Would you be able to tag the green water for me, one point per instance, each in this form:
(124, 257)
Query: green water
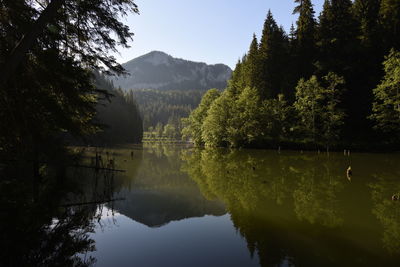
(179, 206)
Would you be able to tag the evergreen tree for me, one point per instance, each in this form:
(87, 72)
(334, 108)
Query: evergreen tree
(273, 53)
(367, 14)
(236, 83)
(293, 71)
(165, 106)
(337, 34)
(251, 65)
(350, 40)
(390, 17)
(339, 52)
(367, 68)
(305, 38)
(118, 117)
(292, 35)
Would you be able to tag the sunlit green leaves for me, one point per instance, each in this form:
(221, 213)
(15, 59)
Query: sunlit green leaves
(386, 105)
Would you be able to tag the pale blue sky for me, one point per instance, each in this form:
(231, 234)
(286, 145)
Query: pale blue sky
(211, 31)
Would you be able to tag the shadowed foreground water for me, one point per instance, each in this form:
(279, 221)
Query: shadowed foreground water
(177, 206)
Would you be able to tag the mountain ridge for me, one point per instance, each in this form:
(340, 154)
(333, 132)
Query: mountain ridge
(159, 70)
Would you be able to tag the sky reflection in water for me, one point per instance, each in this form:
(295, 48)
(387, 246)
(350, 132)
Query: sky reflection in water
(187, 207)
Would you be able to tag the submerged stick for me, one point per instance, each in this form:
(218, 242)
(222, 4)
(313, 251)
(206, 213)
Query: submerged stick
(97, 168)
(91, 202)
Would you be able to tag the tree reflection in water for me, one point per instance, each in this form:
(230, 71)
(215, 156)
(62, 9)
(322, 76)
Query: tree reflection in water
(387, 210)
(300, 209)
(45, 222)
(291, 208)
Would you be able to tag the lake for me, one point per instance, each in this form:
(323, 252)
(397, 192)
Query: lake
(180, 206)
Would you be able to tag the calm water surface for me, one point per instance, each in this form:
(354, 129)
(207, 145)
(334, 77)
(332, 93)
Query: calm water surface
(188, 207)
(179, 206)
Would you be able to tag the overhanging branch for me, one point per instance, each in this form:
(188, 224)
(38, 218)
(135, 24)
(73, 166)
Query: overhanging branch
(25, 43)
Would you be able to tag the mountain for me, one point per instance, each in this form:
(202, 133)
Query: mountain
(158, 70)
(158, 207)
(155, 190)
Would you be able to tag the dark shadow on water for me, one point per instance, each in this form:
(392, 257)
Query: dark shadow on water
(48, 212)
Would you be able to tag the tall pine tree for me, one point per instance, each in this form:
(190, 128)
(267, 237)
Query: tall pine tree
(236, 83)
(337, 37)
(339, 52)
(368, 71)
(273, 53)
(252, 65)
(305, 38)
(367, 14)
(390, 17)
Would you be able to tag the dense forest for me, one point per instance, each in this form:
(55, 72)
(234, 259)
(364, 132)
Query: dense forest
(49, 51)
(49, 54)
(332, 82)
(165, 106)
(118, 116)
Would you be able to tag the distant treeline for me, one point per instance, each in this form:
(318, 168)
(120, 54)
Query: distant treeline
(321, 85)
(118, 116)
(165, 107)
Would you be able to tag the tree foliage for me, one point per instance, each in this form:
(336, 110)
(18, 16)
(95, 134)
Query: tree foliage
(386, 105)
(165, 106)
(118, 118)
(390, 20)
(193, 124)
(317, 107)
(305, 34)
(273, 53)
(51, 90)
(290, 89)
(214, 126)
(309, 106)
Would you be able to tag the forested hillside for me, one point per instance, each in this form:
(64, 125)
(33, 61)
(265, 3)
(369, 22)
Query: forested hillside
(167, 89)
(118, 116)
(332, 81)
(163, 107)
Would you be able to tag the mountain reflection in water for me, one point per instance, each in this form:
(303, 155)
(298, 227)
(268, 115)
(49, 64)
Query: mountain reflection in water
(178, 206)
